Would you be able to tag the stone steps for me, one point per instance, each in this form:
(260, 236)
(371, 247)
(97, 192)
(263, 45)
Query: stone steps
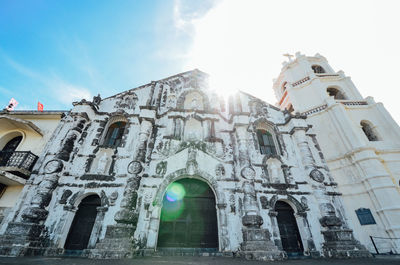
(199, 252)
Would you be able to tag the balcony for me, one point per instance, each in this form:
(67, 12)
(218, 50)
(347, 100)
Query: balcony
(19, 163)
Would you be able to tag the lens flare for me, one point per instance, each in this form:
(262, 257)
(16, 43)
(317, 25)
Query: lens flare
(173, 204)
(175, 192)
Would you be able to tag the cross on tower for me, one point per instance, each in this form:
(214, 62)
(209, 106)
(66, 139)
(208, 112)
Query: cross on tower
(289, 56)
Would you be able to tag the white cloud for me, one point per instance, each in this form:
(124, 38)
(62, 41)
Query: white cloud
(60, 89)
(68, 93)
(240, 43)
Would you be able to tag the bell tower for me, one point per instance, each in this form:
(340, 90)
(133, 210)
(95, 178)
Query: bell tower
(359, 140)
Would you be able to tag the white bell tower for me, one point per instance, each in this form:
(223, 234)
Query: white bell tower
(360, 142)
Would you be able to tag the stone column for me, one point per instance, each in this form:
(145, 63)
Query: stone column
(275, 229)
(223, 225)
(241, 134)
(257, 242)
(101, 211)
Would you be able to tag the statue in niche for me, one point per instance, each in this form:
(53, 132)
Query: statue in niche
(275, 171)
(102, 164)
(194, 104)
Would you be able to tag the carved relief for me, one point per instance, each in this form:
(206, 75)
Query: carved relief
(317, 175)
(161, 168)
(248, 173)
(220, 170)
(53, 166)
(135, 167)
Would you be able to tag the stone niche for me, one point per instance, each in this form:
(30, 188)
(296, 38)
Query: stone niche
(193, 130)
(193, 100)
(274, 169)
(102, 161)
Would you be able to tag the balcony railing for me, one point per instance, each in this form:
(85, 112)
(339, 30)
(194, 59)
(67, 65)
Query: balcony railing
(19, 163)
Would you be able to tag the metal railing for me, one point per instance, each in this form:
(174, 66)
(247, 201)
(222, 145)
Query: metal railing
(18, 159)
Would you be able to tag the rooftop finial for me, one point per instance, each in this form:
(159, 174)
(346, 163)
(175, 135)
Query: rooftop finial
(289, 56)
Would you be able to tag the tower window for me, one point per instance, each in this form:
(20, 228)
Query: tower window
(318, 69)
(114, 134)
(369, 131)
(266, 142)
(335, 93)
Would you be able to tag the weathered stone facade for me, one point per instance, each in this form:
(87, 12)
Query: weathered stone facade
(127, 149)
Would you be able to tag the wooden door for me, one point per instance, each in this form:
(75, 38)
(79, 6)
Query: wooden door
(290, 236)
(195, 224)
(82, 225)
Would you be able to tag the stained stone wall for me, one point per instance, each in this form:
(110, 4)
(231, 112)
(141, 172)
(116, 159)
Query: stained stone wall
(178, 128)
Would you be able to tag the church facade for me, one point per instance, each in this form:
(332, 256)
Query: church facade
(172, 167)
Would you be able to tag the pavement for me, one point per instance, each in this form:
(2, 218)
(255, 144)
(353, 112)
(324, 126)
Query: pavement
(193, 261)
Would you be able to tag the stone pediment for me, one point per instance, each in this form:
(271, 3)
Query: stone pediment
(189, 160)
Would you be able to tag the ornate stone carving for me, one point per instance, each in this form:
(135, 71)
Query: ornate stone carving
(102, 164)
(220, 170)
(53, 166)
(264, 202)
(135, 167)
(248, 173)
(317, 175)
(65, 196)
(161, 168)
(96, 100)
(113, 197)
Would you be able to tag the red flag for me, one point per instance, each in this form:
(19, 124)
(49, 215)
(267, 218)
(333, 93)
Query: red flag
(40, 106)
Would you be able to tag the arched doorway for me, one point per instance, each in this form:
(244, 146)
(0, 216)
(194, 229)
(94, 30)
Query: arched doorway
(82, 225)
(290, 236)
(8, 149)
(188, 217)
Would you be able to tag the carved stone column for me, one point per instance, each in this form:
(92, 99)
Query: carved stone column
(101, 211)
(223, 223)
(257, 242)
(275, 229)
(241, 134)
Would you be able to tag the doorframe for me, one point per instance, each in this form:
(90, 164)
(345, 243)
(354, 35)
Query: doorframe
(300, 215)
(157, 204)
(71, 213)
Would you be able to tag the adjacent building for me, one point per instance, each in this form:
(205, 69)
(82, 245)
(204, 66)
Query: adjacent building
(23, 136)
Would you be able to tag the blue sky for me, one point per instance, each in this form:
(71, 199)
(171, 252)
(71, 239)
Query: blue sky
(61, 51)
(57, 51)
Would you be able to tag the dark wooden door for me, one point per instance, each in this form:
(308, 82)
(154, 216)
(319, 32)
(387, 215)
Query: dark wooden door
(194, 222)
(82, 225)
(290, 236)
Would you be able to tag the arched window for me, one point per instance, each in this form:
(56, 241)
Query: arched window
(335, 93)
(114, 134)
(266, 142)
(318, 69)
(8, 149)
(369, 131)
